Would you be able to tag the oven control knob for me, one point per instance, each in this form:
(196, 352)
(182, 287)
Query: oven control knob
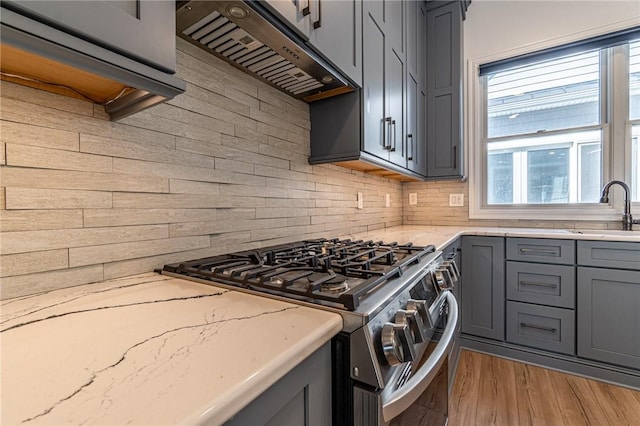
(447, 279)
(453, 269)
(414, 320)
(421, 307)
(397, 343)
(438, 279)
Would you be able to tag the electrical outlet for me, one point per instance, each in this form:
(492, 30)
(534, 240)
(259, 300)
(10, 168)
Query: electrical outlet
(413, 198)
(456, 200)
(387, 200)
(360, 200)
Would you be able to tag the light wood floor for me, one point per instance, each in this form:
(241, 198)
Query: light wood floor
(495, 391)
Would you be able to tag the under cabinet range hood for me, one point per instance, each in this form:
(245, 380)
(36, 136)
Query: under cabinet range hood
(248, 36)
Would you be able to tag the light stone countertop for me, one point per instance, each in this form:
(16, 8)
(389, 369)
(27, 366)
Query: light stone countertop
(151, 349)
(148, 349)
(441, 236)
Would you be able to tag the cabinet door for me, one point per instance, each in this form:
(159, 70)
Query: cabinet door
(140, 29)
(609, 316)
(395, 100)
(337, 33)
(376, 127)
(483, 291)
(295, 12)
(302, 397)
(412, 120)
(444, 90)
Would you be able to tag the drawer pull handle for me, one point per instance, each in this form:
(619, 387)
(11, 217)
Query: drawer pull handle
(549, 285)
(539, 327)
(539, 251)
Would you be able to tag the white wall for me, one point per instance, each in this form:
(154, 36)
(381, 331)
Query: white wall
(496, 29)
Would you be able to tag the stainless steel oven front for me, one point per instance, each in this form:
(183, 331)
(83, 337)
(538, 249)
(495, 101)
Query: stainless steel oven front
(407, 383)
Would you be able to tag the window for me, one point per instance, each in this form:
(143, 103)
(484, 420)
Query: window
(634, 117)
(551, 126)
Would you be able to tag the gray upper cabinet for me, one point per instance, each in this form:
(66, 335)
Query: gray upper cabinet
(444, 90)
(125, 51)
(483, 298)
(141, 30)
(332, 28)
(415, 135)
(383, 75)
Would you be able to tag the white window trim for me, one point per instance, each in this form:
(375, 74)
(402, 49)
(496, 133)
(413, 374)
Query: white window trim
(614, 165)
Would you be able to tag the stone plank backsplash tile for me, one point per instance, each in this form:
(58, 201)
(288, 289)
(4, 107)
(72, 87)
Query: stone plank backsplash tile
(220, 168)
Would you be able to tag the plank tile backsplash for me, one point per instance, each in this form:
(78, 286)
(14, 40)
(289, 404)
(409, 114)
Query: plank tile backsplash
(222, 167)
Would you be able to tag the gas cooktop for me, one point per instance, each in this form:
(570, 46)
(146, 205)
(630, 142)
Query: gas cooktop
(331, 272)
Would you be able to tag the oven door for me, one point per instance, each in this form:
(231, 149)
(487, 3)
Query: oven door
(423, 398)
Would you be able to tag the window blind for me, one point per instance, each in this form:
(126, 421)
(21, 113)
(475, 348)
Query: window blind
(598, 42)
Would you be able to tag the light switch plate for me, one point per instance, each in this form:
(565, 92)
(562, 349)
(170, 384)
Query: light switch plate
(387, 200)
(413, 198)
(360, 200)
(456, 200)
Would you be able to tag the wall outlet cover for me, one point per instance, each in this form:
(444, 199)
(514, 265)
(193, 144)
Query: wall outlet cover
(387, 200)
(456, 200)
(413, 198)
(360, 200)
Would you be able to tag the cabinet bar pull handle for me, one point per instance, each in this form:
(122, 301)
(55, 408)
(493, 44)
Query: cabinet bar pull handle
(410, 137)
(386, 134)
(539, 251)
(307, 10)
(539, 327)
(393, 148)
(317, 24)
(550, 285)
(455, 156)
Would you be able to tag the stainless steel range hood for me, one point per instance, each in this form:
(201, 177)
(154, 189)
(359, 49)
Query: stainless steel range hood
(247, 36)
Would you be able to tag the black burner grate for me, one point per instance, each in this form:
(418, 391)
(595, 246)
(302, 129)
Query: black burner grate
(310, 270)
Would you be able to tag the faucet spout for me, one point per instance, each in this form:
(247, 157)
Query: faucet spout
(627, 220)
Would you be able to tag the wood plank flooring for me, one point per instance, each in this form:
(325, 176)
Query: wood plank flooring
(494, 391)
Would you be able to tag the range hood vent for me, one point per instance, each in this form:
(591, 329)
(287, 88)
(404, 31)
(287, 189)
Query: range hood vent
(248, 38)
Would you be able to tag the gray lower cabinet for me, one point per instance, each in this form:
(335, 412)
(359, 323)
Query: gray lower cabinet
(609, 315)
(301, 398)
(444, 90)
(552, 285)
(483, 298)
(543, 250)
(541, 327)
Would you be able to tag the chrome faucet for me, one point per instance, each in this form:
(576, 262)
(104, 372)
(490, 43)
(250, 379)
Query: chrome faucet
(627, 220)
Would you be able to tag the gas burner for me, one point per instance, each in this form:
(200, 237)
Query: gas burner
(336, 285)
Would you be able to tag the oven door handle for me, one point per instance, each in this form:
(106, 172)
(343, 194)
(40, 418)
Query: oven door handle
(406, 395)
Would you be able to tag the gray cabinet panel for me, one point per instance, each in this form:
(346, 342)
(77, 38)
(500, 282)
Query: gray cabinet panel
(609, 316)
(444, 91)
(302, 397)
(552, 285)
(146, 35)
(376, 128)
(541, 327)
(609, 254)
(394, 95)
(483, 290)
(541, 250)
(339, 35)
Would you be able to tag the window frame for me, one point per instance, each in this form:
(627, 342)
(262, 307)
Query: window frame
(616, 131)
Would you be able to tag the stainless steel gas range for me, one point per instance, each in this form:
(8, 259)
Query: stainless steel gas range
(387, 362)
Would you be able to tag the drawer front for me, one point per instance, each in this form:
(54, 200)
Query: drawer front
(552, 285)
(541, 250)
(609, 254)
(541, 327)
